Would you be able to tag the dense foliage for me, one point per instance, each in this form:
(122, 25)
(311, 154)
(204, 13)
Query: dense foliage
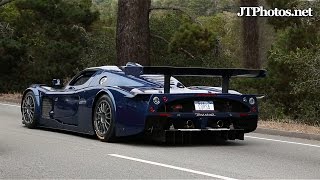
(293, 64)
(45, 39)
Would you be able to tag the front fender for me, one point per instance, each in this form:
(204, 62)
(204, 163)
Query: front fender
(35, 90)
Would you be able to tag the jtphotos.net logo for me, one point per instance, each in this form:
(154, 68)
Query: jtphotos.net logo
(260, 11)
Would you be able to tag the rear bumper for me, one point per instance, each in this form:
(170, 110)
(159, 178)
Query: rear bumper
(182, 136)
(209, 122)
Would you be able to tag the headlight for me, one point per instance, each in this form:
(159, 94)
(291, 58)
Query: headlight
(252, 101)
(156, 100)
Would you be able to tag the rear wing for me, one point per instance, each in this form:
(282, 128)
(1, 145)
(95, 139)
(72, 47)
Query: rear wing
(168, 71)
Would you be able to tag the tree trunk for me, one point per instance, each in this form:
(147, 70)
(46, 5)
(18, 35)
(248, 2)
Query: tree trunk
(133, 33)
(250, 33)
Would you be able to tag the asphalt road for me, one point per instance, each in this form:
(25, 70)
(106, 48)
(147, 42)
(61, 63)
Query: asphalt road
(38, 153)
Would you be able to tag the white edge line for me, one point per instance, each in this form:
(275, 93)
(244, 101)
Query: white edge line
(289, 142)
(172, 167)
(12, 105)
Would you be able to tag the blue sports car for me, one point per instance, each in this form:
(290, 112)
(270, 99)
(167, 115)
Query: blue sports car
(112, 102)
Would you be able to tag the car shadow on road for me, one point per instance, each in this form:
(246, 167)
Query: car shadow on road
(87, 136)
(141, 140)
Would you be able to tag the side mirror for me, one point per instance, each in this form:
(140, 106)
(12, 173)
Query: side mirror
(56, 83)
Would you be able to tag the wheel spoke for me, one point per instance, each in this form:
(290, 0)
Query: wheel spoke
(31, 103)
(98, 126)
(30, 117)
(99, 110)
(102, 107)
(28, 100)
(98, 116)
(107, 109)
(103, 129)
(107, 124)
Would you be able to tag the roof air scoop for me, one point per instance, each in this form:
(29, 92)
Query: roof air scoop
(133, 69)
(133, 64)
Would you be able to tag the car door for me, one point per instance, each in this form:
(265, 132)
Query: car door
(66, 105)
(66, 102)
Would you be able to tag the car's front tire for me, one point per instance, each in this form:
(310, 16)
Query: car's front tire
(104, 119)
(28, 110)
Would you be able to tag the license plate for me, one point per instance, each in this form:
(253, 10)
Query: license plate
(203, 105)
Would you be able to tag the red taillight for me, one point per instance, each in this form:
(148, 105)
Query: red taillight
(164, 115)
(151, 109)
(165, 99)
(177, 107)
(243, 114)
(206, 95)
(253, 109)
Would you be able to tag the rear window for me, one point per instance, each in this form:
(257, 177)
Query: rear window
(121, 81)
(159, 79)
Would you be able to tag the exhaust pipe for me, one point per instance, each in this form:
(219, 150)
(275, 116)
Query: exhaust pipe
(219, 123)
(189, 124)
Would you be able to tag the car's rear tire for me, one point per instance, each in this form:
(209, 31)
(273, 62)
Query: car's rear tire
(104, 119)
(28, 110)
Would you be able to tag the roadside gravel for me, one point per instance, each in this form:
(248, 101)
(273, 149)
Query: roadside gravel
(292, 127)
(11, 98)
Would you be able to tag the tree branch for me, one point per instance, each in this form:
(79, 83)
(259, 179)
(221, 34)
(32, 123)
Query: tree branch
(180, 49)
(176, 9)
(186, 52)
(160, 37)
(3, 2)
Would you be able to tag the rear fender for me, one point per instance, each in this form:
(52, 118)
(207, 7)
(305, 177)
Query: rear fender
(116, 97)
(105, 91)
(131, 112)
